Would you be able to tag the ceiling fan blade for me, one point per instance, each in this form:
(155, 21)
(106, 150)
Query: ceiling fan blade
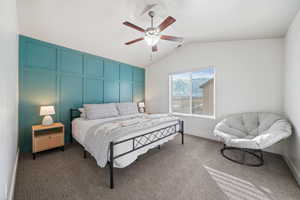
(167, 22)
(133, 41)
(171, 38)
(134, 26)
(154, 48)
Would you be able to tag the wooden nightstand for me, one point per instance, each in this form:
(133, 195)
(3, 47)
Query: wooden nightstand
(47, 137)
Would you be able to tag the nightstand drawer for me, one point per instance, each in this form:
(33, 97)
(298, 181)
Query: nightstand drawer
(56, 140)
(41, 143)
(44, 142)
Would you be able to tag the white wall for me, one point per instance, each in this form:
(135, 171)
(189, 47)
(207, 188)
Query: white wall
(95, 26)
(8, 93)
(249, 77)
(292, 92)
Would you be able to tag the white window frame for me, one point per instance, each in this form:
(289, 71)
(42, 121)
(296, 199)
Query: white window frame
(213, 116)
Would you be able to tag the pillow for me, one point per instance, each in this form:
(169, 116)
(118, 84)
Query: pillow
(127, 108)
(100, 111)
(82, 113)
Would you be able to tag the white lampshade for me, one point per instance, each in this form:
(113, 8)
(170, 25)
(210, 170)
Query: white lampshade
(141, 104)
(47, 110)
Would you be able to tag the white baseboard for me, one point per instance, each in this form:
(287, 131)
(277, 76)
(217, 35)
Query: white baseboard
(293, 169)
(13, 178)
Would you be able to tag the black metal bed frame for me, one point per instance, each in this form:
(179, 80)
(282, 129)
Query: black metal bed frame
(138, 141)
(257, 153)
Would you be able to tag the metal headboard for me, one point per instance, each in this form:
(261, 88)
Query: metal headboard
(74, 113)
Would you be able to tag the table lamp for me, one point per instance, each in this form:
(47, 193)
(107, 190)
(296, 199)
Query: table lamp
(47, 111)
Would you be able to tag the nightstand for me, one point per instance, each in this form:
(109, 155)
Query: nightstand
(47, 137)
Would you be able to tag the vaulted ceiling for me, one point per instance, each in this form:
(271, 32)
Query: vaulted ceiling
(95, 26)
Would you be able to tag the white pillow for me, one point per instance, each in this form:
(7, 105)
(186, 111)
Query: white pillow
(128, 108)
(100, 111)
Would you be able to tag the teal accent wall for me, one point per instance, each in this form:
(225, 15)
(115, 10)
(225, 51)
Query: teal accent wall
(54, 75)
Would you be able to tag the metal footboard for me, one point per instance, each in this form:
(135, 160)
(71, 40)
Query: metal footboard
(138, 142)
(141, 141)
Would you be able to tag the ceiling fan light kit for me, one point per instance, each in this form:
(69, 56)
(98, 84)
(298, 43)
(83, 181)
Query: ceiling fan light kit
(153, 34)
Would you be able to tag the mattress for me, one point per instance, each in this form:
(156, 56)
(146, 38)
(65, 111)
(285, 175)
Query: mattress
(80, 127)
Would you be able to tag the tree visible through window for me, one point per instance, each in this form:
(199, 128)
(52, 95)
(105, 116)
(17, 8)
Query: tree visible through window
(193, 92)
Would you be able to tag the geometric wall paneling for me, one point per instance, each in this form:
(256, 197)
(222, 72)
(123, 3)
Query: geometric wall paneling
(139, 74)
(54, 75)
(126, 83)
(126, 91)
(32, 97)
(126, 73)
(70, 61)
(111, 70)
(40, 55)
(93, 91)
(139, 84)
(111, 91)
(94, 66)
(138, 91)
(70, 95)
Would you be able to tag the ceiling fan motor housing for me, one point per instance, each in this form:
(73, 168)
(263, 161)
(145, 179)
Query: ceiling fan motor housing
(151, 13)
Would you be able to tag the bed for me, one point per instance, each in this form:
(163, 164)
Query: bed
(141, 133)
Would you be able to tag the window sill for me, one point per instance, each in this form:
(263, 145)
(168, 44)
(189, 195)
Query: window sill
(194, 115)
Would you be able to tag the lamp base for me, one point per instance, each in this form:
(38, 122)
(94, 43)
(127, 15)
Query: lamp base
(47, 120)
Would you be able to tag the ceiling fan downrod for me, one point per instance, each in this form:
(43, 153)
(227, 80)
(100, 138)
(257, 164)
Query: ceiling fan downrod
(151, 14)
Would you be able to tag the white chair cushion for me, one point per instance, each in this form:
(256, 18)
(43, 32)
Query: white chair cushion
(253, 130)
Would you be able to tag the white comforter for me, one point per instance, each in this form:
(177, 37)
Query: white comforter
(98, 136)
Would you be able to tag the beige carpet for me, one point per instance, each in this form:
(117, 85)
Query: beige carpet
(193, 171)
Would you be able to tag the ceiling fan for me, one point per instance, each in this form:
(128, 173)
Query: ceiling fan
(153, 34)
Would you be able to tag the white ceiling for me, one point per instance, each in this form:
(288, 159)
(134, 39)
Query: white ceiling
(95, 26)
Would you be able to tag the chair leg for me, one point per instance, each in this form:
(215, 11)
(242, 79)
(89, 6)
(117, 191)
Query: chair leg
(84, 154)
(258, 156)
(262, 157)
(243, 157)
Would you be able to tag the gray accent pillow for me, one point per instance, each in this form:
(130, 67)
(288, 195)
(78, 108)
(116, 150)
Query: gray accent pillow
(100, 111)
(128, 108)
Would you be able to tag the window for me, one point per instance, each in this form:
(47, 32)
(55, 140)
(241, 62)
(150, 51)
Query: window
(192, 93)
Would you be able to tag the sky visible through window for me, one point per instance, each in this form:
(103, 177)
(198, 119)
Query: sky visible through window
(181, 82)
(193, 92)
